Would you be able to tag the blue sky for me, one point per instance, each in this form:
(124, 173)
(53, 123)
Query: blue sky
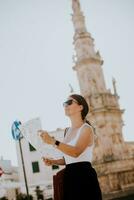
(36, 49)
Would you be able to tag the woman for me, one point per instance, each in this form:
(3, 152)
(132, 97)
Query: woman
(80, 178)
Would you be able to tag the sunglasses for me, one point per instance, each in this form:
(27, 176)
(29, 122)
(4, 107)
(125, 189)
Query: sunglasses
(69, 102)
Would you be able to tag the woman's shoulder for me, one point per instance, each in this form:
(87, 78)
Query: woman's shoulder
(86, 125)
(91, 130)
(88, 128)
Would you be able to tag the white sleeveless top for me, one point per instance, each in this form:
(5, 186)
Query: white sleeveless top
(86, 155)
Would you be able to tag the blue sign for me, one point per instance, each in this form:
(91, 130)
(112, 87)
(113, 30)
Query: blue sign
(16, 133)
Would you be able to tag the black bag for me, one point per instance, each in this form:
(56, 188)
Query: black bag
(58, 181)
(58, 185)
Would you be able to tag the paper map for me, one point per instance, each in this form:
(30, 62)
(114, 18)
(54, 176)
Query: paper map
(30, 130)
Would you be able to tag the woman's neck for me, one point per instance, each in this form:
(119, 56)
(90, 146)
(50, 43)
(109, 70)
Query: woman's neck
(76, 122)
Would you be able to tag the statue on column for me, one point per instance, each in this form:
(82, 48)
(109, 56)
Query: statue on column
(114, 86)
(76, 5)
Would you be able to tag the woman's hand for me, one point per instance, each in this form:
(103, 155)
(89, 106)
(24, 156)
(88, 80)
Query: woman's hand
(51, 161)
(46, 137)
(48, 161)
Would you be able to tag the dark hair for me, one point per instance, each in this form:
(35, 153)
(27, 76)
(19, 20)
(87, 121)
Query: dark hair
(81, 101)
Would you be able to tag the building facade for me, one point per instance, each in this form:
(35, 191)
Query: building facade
(9, 180)
(37, 173)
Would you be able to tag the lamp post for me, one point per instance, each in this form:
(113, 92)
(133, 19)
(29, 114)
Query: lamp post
(16, 133)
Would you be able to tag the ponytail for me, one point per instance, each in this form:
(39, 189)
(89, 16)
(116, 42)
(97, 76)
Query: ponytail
(86, 121)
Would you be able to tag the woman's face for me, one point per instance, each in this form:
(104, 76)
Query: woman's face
(72, 107)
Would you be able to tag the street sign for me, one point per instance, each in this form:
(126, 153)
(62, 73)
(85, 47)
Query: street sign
(16, 133)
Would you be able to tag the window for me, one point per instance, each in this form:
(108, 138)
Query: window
(55, 167)
(35, 167)
(31, 148)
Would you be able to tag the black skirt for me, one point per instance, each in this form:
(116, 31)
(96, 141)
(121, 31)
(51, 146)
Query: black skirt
(81, 182)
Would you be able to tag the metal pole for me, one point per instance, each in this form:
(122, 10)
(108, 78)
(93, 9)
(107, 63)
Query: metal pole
(24, 169)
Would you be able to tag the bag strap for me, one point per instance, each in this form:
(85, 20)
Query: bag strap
(65, 131)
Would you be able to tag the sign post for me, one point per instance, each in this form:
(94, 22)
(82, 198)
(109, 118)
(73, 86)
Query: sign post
(16, 133)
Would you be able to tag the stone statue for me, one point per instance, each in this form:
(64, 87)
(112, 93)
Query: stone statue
(76, 5)
(114, 86)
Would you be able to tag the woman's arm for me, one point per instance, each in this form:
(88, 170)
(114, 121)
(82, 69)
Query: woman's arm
(85, 139)
(49, 162)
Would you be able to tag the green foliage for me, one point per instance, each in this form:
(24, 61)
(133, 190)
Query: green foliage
(23, 197)
(3, 198)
